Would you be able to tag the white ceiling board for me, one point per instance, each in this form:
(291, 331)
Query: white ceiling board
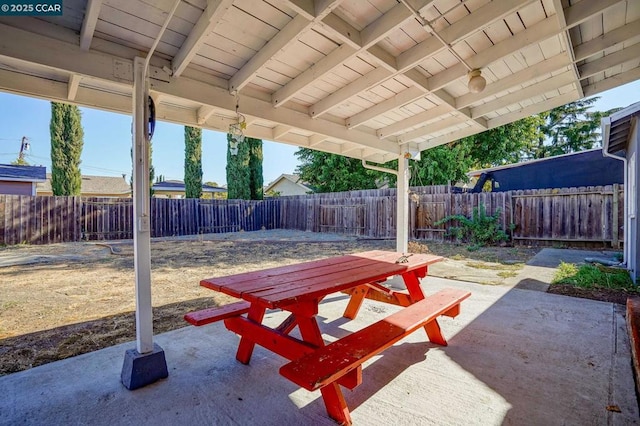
(518, 44)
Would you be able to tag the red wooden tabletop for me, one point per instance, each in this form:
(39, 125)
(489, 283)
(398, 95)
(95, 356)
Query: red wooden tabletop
(277, 287)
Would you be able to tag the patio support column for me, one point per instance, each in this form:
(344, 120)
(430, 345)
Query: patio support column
(145, 364)
(402, 213)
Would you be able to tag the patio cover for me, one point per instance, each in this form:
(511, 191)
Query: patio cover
(376, 80)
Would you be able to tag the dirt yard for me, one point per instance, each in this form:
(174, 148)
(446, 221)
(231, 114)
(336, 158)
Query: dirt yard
(62, 300)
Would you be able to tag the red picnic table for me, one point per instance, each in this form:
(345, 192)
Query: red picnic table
(299, 288)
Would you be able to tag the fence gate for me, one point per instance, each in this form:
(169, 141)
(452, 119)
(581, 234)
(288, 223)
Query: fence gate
(216, 216)
(426, 215)
(107, 218)
(342, 219)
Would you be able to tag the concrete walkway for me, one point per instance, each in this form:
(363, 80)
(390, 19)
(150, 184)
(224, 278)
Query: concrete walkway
(514, 357)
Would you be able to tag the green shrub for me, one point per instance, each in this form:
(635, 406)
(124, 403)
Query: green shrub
(479, 230)
(593, 276)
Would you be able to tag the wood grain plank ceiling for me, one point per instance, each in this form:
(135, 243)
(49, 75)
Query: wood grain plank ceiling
(365, 78)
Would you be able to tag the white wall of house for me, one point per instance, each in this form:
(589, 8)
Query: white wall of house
(286, 187)
(632, 195)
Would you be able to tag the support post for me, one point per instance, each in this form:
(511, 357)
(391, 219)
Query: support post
(402, 213)
(615, 227)
(145, 364)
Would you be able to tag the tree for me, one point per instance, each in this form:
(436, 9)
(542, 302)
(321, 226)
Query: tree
(244, 169)
(238, 173)
(66, 148)
(437, 166)
(567, 128)
(332, 173)
(152, 170)
(256, 180)
(505, 144)
(192, 162)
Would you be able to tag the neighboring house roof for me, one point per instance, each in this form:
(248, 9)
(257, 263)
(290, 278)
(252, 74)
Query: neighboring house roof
(178, 186)
(9, 172)
(94, 185)
(617, 128)
(295, 179)
(585, 168)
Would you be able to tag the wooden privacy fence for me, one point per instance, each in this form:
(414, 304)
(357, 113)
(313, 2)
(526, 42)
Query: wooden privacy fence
(590, 215)
(570, 215)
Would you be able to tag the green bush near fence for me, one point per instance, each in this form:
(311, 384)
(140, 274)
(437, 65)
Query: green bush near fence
(480, 230)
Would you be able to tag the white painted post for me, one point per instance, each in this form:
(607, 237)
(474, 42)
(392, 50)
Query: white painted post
(141, 224)
(402, 213)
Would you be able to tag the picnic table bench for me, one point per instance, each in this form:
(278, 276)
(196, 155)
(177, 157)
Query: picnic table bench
(300, 288)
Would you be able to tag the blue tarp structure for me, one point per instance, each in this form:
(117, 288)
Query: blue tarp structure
(587, 168)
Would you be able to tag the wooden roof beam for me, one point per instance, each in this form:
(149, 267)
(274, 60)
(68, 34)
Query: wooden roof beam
(611, 82)
(631, 53)
(209, 19)
(611, 39)
(195, 87)
(566, 37)
(534, 108)
(89, 23)
(285, 37)
(417, 54)
(520, 95)
(72, 86)
(429, 128)
(415, 120)
(352, 89)
(446, 138)
(355, 42)
(547, 66)
(397, 101)
(583, 11)
(459, 30)
(279, 131)
(203, 113)
(534, 34)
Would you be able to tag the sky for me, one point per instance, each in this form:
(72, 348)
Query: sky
(107, 140)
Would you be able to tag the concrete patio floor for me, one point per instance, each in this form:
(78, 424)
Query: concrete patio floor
(514, 357)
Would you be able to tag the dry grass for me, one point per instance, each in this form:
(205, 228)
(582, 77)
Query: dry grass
(83, 300)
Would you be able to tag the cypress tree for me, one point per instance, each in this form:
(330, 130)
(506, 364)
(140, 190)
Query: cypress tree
(192, 162)
(256, 180)
(66, 148)
(152, 170)
(238, 174)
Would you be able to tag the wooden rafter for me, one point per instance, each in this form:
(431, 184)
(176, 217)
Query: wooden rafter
(210, 18)
(89, 23)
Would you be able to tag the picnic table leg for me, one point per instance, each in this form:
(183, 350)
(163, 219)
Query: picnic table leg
(331, 394)
(415, 292)
(433, 332)
(245, 348)
(357, 296)
(413, 285)
(288, 324)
